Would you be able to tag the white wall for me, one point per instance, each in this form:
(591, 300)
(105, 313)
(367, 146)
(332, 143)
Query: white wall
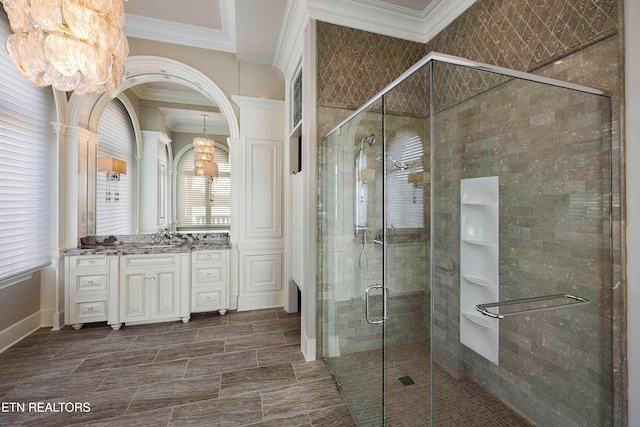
(632, 114)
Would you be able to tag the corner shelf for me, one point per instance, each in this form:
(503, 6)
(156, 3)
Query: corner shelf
(479, 281)
(480, 320)
(479, 242)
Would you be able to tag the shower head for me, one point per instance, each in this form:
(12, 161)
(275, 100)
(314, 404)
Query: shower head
(370, 139)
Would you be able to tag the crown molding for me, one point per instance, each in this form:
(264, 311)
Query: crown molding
(289, 49)
(400, 9)
(257, 103)
(184, 34)
(390, 20)
(442, 14)
(197, 129)
(170, 96)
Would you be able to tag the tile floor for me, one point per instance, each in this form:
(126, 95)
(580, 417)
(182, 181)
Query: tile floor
(460, 401)
(239, 369)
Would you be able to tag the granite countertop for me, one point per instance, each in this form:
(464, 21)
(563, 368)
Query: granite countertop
(150, 244)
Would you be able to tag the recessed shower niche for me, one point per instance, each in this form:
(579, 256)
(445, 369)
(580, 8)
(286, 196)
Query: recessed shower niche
(479, 264)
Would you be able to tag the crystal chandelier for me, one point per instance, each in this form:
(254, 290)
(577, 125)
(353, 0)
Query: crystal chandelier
(69, 44)
(203, 164)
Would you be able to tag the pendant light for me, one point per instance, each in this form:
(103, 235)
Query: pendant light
(69, 44)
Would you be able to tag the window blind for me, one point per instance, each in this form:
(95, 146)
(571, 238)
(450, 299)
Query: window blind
(117, 139)
(405, 201)
(26, 150)
(201, 204)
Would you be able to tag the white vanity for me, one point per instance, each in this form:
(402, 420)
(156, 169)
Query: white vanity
(135, 284)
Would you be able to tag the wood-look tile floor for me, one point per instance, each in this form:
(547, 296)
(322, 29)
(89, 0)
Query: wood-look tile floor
(239, 369)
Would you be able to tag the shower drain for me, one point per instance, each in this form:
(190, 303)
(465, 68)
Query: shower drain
(406, 380)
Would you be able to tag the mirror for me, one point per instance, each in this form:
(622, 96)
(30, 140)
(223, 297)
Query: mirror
(163, 118)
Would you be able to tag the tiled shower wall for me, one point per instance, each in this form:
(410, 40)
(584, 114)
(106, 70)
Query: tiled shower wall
(550, 149)
(576, 38)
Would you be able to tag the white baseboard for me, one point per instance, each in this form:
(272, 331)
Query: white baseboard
(257, 302)
(58, 320)
(308, 348)
(46, 317)
(18, 331)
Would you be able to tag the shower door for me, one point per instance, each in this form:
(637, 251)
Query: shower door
(352, 268)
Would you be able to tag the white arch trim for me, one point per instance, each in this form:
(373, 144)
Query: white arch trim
(85, 110)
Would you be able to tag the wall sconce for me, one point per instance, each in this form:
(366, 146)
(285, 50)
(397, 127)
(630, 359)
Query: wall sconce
(418, 179)
(210, 171)
(113, 168)
(367, 176)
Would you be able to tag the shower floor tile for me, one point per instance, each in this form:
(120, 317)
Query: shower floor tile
(460, 400)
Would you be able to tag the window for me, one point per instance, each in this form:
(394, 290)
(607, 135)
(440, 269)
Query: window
(117, 139)
(202, 204)
(26, 153)
(405, 192)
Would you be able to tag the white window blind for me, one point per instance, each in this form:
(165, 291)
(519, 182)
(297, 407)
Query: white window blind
(201, 204)
(117, 139)
(26, 153)
(405, 201)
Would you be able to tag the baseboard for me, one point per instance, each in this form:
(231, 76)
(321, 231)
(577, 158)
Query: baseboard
(308, 347)
(56, 318)
(258, 302)
(20, 330)
(46, 317)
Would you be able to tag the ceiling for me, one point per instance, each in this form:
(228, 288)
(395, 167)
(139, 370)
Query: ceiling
(252, 29)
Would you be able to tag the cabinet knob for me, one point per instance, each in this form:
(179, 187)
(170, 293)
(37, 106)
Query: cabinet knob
(90, 261)
(208, 274)
(153, 278)
(90, 282)
(208, 256)
(146, 278)
(90, 308)
(208, 298)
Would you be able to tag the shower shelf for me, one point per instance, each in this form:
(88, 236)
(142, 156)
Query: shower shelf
(479, 203)
(478, 242)
(479, 281)
(479, 320)
(578, 301)
(479, 269)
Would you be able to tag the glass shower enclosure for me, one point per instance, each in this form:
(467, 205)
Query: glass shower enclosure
(465, 257)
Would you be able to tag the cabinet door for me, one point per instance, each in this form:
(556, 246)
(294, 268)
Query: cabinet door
(134, 298)
(164, 292)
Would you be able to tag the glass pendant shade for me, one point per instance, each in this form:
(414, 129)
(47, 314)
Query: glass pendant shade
(69, 44)
(204, 149)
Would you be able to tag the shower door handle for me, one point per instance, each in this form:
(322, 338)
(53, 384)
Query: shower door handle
(384, 304)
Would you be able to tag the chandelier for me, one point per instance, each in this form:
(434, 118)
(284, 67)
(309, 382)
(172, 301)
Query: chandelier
(204, 147)
(69, 44)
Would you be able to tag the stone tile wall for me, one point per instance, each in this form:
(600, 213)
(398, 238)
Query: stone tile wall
(550, 148)
(572, 40)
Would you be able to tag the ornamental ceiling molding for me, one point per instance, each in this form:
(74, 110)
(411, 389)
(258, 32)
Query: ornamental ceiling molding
(223, 39)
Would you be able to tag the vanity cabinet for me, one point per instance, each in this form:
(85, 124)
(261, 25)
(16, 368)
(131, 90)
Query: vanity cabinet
(209, 281)
(151, 288)
(145, 288)
(91, 283)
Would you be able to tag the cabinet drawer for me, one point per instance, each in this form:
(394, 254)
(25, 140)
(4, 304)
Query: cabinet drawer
(208, 300)
(88, 261)
(148, 260)
(88, 282)
(89, 310)
(209, 256)
(214, 274)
